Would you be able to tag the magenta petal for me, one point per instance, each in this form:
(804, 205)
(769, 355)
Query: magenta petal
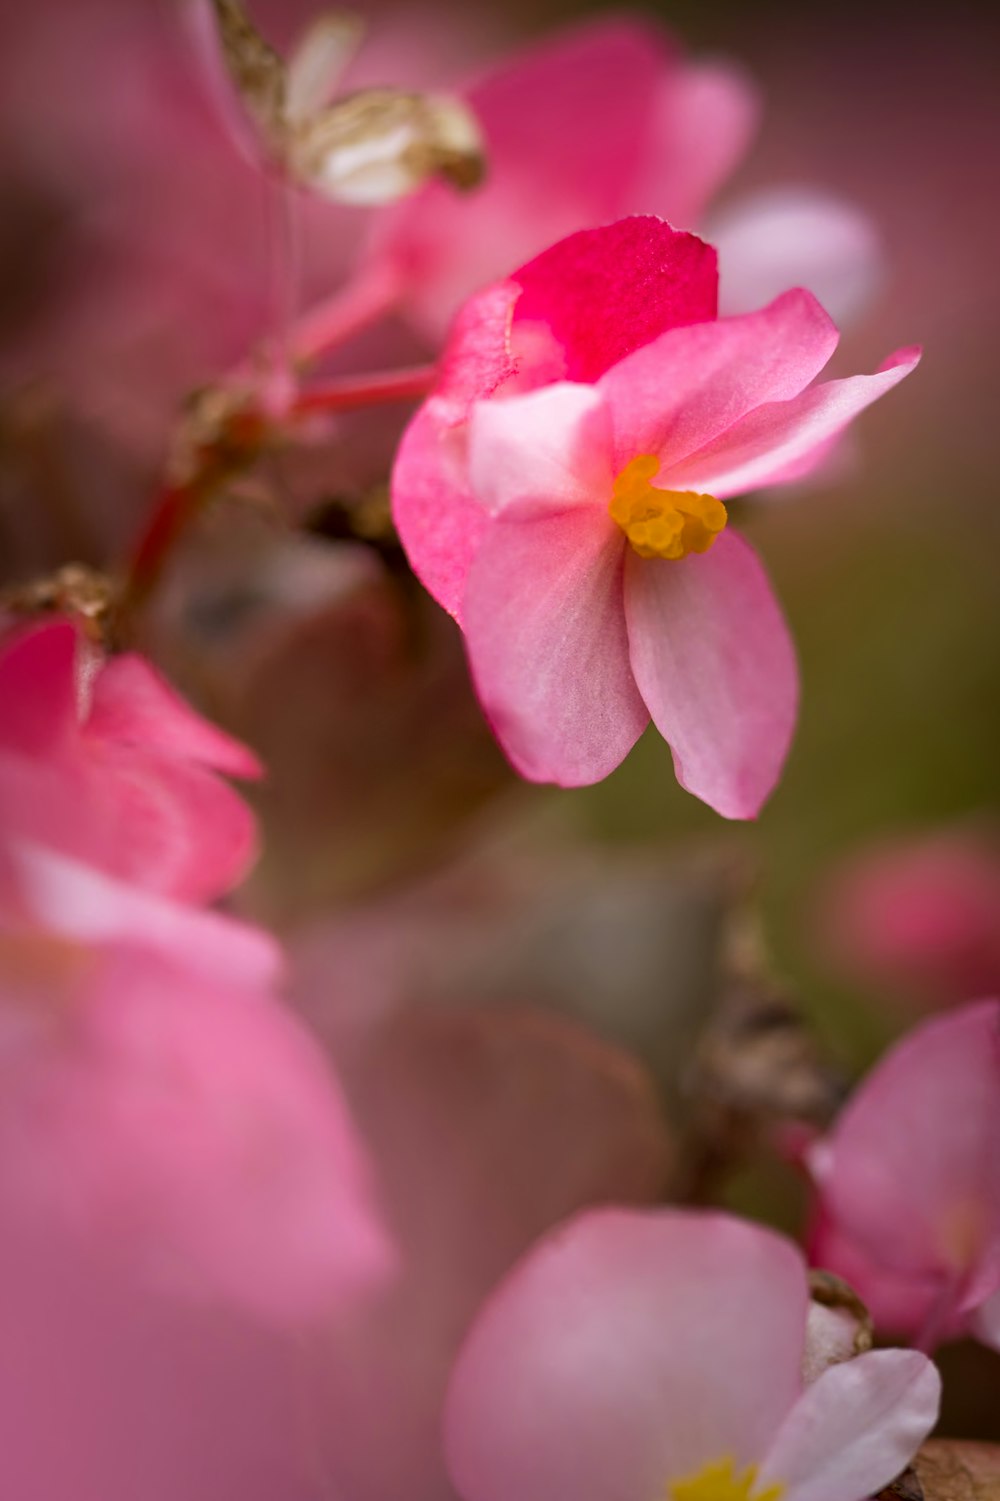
(133, 705)
(680, 392)
(855, 1428)
(627, 1350)
(778, 437)
(38, 689)
(547, 642)
(715, 665)
(604, 292)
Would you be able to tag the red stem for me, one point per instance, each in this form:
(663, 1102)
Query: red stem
(353, 392)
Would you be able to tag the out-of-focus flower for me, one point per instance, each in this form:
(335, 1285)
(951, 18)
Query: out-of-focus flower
(370, 147)
(592, 598)
(160, 1103)
(661, 1353)
(918, 917)
(101, 759)
(607, 120)
(909, 1182)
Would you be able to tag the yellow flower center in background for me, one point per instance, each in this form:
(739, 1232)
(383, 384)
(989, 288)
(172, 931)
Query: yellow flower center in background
(718, 1481)
(663, 523)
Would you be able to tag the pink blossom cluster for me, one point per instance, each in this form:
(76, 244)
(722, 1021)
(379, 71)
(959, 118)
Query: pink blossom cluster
(282, 1236)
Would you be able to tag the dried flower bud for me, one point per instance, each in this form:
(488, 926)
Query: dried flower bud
(366, 148)
(839, 1325)
(378, 145)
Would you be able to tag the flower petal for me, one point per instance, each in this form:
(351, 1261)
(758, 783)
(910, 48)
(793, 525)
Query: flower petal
(627, 1349)
(788, 237)
(678, 393)
(551, 447)
(546, 636)
(759, 449)
(919, 1145)
(855, 1428)
(714, 663)
(438, 521)
(605, 292)
(703, 121)
(133, 705)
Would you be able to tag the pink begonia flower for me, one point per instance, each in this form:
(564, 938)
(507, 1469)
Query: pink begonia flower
(101, 759)
(660, 1354)
(909, 1182)
(918, 917)
(162, 1107)
(604, 120)
(576, 525)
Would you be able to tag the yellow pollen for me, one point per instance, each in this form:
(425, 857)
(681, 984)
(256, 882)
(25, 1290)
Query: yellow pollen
(719, 1481)
(663, 523)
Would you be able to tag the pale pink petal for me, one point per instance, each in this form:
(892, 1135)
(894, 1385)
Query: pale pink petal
(439, 523)
(604, 292)
(855, 1428)
(715, 666)
(678, 393)
(759, 450)
(702, 123)
(626, 1350)
(545, 631)
(787, 237)
(919, 1146)
(550, 448)
(133, 705)
(76, 901)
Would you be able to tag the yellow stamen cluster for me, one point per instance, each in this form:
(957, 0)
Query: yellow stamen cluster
(719, 1481)
(663, 523)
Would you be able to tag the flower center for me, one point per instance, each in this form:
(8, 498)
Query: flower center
(663, 523)
(718, 1481)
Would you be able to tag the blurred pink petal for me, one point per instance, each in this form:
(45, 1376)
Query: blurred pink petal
(786, 237)
(627, 1353)
(545, 624)
(911, 1170)
(104, 761)
(716, 668)
(165, 1111)
(918, 916)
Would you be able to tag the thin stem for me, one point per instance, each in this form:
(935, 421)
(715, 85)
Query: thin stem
(361, 302)
(354, 392)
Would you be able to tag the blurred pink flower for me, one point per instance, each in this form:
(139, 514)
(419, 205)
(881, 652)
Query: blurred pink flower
(661, 1354)
(909, 1182)
(160, 1107)
(101, 759)
(604, 120)
(919, 917)
(592, 599)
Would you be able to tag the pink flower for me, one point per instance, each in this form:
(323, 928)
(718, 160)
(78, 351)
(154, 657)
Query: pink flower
(101, 759)
(576, 525)
(160, 1107)
(603, 120)
(909, 1182)
(658, 1354)
(919, 917)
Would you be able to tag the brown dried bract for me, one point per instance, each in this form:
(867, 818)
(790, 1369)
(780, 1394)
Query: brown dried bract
(257, 71)
(73, 590)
